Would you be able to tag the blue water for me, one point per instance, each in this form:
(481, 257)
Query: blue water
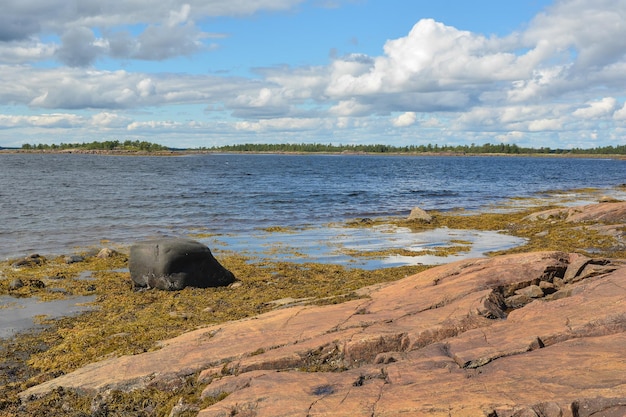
(52, 204)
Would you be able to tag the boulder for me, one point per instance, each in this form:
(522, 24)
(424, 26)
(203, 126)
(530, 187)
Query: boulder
(420, 215)
(173, 264)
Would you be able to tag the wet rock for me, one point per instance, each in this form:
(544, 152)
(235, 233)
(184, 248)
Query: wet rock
(29, 261)
(15, 284)
(173, 264)
(72, 259)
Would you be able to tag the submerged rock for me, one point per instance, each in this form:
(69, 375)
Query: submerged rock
(173, 264)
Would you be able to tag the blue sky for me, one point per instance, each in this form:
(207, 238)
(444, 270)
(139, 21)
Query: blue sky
(199, 74)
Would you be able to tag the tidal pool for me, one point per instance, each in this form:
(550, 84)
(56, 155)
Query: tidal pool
(19, 314)
(342, 245)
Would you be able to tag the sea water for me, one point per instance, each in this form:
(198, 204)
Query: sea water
(58, 203)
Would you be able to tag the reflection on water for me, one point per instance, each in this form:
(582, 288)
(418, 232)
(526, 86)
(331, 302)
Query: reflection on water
(18, 314)
(339, 245)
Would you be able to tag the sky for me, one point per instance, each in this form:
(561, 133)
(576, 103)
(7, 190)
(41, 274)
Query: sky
(204, 73)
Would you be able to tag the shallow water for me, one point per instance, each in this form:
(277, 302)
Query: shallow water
(333, 244)
(18, 314)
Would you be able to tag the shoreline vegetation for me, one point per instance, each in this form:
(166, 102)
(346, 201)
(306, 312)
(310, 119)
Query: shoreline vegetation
(117, 147)
(66, 344)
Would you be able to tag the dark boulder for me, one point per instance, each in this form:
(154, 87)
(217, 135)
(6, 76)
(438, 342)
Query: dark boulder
(173, 264)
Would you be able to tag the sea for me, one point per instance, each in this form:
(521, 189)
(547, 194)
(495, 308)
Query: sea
(273, 205)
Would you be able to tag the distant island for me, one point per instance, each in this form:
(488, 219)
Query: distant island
(116, 146)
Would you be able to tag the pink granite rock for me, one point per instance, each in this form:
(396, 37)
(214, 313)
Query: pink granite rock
(439, 343)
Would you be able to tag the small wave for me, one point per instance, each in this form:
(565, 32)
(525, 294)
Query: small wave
(435, 193)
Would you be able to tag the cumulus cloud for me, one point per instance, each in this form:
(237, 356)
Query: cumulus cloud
(107, 120)
(78, 47)
(433, 57)
(596, 109)
(587, 31)
(405, 119)
(53, 120)
(14, 28)
(167, 28)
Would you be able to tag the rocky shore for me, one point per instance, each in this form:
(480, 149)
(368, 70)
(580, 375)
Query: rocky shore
(520, 335)
(540, 332)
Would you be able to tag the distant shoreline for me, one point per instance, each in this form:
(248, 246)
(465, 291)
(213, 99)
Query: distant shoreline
(185, 152)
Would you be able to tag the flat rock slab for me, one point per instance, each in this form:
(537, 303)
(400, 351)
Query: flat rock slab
(439, 343)
(610, 213)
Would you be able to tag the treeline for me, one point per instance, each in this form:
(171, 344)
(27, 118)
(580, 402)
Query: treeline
(108, 145)
(487, 148)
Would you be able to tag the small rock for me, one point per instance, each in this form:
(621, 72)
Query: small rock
(608, 199)
(181, 408)
(58, 275)
(31, 260)
(547, 287)
(419, 214)
(536, 344)
(36, 283)
(517, 301)
(236, 284)
(58, 291)
(72, 259)
(106, 253)
(532, 291)
(15, 284)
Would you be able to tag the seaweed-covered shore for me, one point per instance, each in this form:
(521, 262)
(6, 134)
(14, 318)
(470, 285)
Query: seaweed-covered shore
(124, 322)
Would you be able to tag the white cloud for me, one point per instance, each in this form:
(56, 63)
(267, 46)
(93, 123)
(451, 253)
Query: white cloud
(597, 109)
(52, 120)
(350, 107)
(589, 29)
(108, 120)
(154, 124)
(405, 119)
(543, 125)
(25, 51)
(620, 114)
(281, 124)
(432, 57)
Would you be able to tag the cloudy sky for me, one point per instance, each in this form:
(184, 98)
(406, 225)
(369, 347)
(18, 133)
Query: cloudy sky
(194, 73)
